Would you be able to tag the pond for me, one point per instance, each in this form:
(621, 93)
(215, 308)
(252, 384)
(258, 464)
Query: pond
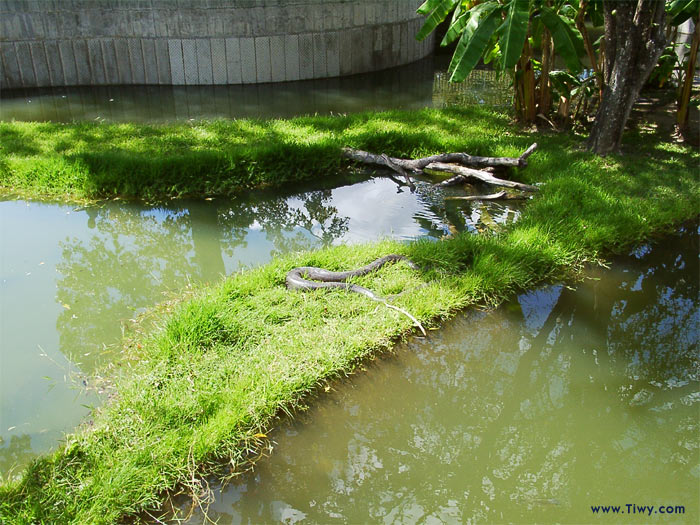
(561, 400)
(418, 85)
(72, 277)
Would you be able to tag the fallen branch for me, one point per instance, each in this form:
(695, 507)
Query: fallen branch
(398, 169)
(529, 151)
(464, 174)
(453, 181)
(501, 195)
(417, 165)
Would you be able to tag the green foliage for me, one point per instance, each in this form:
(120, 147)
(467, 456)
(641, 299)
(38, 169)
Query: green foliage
(472, 44)
(668, 63)
(682, 10)
(513, 32)
(460, 17)
(497, 31)
(481, 37)
(203, 383)
(595, 12)
(436, 10)
(568, 41)
(564, 83)
(679, 11)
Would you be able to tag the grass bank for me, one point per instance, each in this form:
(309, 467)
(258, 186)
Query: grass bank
(151, 162)
(208, 380)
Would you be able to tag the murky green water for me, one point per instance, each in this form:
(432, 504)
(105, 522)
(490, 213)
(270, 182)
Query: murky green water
(533, 413)
(413, 86)
(562, 400)
(71, 278)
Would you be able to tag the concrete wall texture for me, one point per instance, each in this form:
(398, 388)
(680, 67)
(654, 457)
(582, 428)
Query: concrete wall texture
(195, 42)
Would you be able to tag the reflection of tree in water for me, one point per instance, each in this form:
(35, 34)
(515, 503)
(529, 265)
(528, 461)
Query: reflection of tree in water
(15, 452)
(137, 254)
(666, 349)
(290, 224)
(132, 256)
(455, 216)
(513, 413)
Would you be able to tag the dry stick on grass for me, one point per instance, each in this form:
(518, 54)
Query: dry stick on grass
(501, 195)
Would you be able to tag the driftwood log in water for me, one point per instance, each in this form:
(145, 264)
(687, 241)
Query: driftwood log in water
(501, 195)
(312, 278)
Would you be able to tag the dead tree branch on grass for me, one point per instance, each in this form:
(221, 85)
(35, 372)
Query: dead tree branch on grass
(462, 165)
(417, 165)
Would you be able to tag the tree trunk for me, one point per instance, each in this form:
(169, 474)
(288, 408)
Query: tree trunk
(525, 86)
(635, 36)
(545, 98)
(684, 99)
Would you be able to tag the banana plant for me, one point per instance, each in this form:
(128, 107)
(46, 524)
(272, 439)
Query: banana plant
(502, 30)
(569, 89)
(681, 11)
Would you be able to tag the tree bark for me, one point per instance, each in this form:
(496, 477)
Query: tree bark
(684, 99)
(525, 86)
(635, 36)
(545, 98)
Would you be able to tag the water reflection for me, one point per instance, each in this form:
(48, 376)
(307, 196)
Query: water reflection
(415, 85)
(133, 254)
(14, 452)
(531, 413)
(72, 277)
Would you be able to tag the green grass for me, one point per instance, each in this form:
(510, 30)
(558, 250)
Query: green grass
(199, 387)
(97, 160)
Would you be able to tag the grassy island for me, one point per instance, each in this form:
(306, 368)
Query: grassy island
(203, 386)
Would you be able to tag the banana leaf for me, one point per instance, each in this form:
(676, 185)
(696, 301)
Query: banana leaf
(441, 9)
(474, 16)
(459, 19)
(682, 10)
(513, 32)
(568, 42)
(471, 47)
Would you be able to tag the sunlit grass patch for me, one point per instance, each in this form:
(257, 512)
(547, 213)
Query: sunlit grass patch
(202, 385)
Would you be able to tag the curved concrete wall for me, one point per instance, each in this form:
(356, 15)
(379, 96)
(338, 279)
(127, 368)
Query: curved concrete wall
(196, 42)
